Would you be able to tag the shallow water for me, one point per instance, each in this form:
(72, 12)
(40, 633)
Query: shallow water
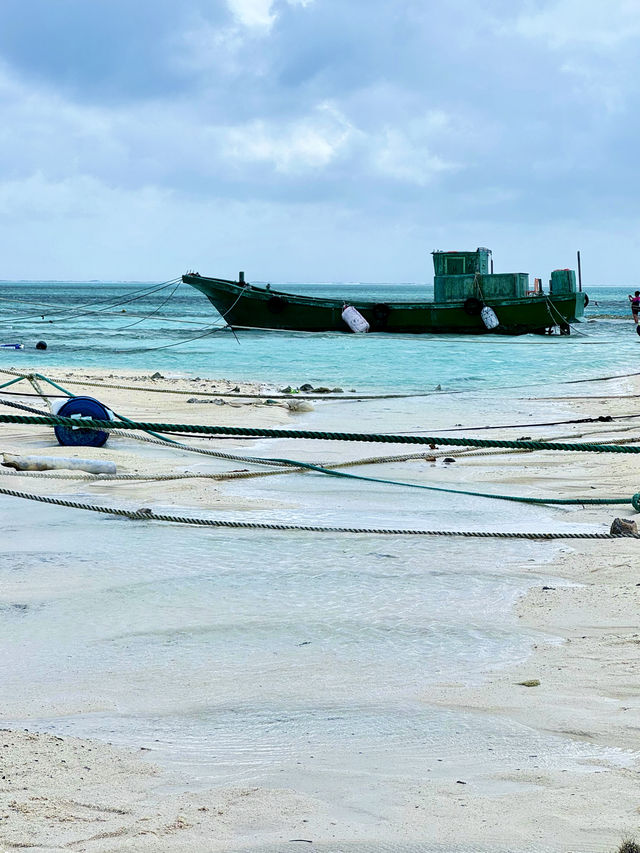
(84, 327)
(293, 659)
(239, 657)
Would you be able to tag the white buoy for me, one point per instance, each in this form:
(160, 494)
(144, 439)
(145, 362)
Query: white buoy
(489, 318)
(354, 319)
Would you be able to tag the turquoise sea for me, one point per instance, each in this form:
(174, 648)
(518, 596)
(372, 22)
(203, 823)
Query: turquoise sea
(289, 660)
(174, 328)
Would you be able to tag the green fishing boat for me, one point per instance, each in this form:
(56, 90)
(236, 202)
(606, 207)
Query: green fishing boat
(468, 299)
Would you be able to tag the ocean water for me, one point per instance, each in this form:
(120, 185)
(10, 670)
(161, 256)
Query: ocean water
(289, 660)
(252, 658)
(174, 328)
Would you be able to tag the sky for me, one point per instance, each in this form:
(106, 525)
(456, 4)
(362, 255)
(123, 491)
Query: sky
(317, 140)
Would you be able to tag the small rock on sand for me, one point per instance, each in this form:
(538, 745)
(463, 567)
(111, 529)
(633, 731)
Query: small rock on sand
(623, 527)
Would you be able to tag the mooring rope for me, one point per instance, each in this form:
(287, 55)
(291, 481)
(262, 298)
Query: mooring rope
(87, 476)
(217, 454)
(634, 500)
(238, 395)
(291, 465)
(376, 438)
(74, 312)
(564, 320)
(149, 515)
(322, 396)
(22, 406)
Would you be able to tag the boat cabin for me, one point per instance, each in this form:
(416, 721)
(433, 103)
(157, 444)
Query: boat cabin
(461, 275)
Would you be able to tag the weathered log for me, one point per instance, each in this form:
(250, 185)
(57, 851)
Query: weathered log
(50, 463)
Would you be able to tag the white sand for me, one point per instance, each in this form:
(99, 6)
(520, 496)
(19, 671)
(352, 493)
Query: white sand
(80, 795)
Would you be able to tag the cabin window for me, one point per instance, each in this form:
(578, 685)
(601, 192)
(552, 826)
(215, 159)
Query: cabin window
(455, 266)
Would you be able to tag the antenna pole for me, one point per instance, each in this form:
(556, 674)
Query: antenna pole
(579, 274)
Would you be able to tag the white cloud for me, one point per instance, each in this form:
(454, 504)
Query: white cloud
(595, 41)
(258, 14)
(407, 155)
(137, 146)
(78, 197)
(82, 228)
(341, 102)
(602, 24)
(309, 143)
(599, 83)
(43, 131)
(253, 13)
(220, 50)
(399, 158)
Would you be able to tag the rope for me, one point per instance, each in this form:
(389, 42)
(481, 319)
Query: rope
(215, 453)
(305, 396)
(74, 313)
(56, 305)
(246, 475)
(21, 406)
(149, 515)
(239, 475)
(437, 339)
(152, 313)
(210, 330)
(255, 432)
(238, 394)
(369, 460)
(599, 419)
(634, 500)
(552, 307)
(330, 471)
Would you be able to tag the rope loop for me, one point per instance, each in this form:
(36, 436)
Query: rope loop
(635, 501)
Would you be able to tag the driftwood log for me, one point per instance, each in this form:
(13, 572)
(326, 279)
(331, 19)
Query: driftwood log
(51, 463)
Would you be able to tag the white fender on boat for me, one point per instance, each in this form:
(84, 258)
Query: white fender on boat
(354, 319)
(489, 318)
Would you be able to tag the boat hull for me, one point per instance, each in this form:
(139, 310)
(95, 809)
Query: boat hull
(247, 306)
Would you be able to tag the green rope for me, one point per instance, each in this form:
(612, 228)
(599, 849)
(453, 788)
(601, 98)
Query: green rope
(295, 465)
(381, 438)
(634, 500)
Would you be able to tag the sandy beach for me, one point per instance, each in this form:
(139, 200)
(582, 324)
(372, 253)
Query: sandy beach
(578, 682)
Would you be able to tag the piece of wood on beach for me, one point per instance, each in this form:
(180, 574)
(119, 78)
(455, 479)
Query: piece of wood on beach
(50, 463)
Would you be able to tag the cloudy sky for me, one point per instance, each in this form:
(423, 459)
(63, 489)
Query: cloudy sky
(317, 140)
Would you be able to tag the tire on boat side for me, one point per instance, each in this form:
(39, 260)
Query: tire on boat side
(473, 306)
(381, 313)
(276, 304)
(586, 300)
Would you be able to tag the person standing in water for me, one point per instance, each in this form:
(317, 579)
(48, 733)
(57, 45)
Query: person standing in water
(635, 305)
